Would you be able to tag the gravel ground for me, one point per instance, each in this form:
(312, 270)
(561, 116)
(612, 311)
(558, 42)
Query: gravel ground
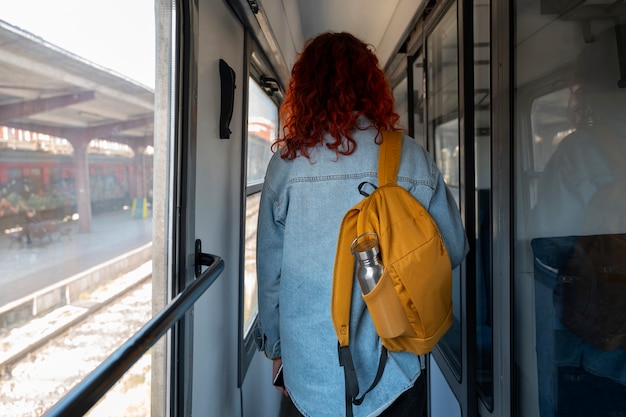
(36, 383)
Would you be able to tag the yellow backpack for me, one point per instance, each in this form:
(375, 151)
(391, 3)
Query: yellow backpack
(411, 305)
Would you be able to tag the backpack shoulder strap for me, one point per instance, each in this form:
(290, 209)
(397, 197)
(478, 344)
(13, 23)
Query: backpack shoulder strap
(343, 276)
(389, 157)
(388, 164)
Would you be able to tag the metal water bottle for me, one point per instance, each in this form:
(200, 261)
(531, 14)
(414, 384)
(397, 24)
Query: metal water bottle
(368, 267)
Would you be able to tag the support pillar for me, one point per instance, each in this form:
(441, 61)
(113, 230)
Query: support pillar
(139, 180)
(83, 193)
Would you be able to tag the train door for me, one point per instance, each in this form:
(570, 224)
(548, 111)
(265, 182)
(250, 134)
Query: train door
(210, 358)
(211, 127)
(235, 121)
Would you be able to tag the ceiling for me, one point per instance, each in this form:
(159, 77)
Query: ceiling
(283, 26)
(368, 20)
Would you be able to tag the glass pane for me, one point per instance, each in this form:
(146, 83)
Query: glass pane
(443, 105)
(76, 165)
(570, 145)
(482, 150)
(401, 98)
(130, 396)
(419, 133)
(89, 330)
(250, 307)
(443, 133)
(262, 128)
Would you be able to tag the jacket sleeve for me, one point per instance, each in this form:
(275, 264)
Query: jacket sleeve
(447, 216)
(268, 263)
(430, 189)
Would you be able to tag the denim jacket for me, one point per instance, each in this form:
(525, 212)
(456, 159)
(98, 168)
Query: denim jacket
(302, 204)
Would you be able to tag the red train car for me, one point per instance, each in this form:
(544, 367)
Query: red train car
(34, 179)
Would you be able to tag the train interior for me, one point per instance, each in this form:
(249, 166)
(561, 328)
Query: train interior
(160, 174)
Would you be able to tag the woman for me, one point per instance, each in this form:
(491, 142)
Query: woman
(337, 102)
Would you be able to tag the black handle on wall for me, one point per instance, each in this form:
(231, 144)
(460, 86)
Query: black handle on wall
(202, 259)
(227, 81)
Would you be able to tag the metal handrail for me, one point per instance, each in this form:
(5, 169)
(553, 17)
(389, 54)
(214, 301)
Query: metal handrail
(89, 391)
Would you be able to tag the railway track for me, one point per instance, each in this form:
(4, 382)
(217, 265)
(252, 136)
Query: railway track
(43, 359)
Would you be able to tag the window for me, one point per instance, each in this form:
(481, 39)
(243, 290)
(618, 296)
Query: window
(566, 101)
(263, 99)
(443, 136)
(262, 129)
(66, 196)
(401, 98)
(419, 129)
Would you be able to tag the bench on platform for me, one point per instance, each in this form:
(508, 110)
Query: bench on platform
(39, 232)
(15, 235)
(42, 230)
(47, 229)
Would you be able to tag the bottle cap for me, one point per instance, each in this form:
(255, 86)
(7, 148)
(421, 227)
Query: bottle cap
(365, 246)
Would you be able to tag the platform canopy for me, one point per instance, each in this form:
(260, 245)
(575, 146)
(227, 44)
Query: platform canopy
(46, 89)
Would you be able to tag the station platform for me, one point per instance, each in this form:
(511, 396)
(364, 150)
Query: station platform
(26, 269)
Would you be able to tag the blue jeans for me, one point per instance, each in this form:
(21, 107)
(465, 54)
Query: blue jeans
(412, 403)
(570, 371)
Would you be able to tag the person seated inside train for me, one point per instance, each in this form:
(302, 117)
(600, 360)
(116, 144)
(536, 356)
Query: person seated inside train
(571, 202)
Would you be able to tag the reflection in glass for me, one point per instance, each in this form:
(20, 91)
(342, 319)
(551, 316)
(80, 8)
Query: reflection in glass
(443, 136)
(401, 98)
(250, 306)
(571, 114)
(419, 129)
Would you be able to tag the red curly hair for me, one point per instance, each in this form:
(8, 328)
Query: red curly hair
(335, 80)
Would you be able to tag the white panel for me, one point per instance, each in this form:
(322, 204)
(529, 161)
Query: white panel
(398, 29)
(284, 19)
(292, 12)
(366, 19)
(442, 400)
(384, 24)
(218, 199)
(260, 398)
